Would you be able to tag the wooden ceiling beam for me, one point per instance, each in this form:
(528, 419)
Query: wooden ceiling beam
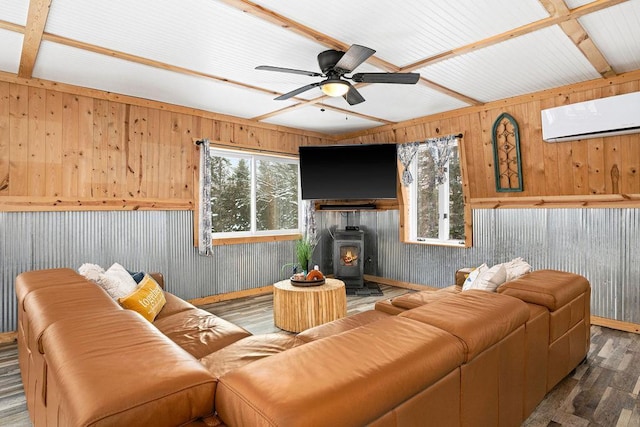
(150, 62)
(33, 32)
(579, 37)
(452, 93)
(268, 15)
(275, 18)
(161, 65)
(317, 102)
(556, 7)
(10, 26)
(558, 19)
(560, 15)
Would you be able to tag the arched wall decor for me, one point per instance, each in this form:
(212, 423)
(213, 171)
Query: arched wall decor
(506, 154)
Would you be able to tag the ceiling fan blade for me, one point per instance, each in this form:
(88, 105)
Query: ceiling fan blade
(399, 78)
(297, 91)
(353, 57)
(353, 97)
(288, 70)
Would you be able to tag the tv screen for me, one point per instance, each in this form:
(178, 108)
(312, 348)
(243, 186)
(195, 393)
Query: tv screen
(348, 172)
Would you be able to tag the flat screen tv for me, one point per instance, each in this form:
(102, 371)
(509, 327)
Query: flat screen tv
(348, 172)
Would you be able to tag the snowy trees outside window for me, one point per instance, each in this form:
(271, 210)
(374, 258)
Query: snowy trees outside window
(253, 194)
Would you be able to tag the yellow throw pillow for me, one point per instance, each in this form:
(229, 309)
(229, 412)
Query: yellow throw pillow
(148, 299)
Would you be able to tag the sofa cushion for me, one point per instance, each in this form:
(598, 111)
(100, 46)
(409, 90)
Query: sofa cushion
(37, 279)
(417, 299)
(382, 363)
(550, 288)
(342, 325)
(46, 306)
(173, 305)
(247, 350)
(200, 332)
(385, 306)
(117, 369)
(147, 299)
(478, 318)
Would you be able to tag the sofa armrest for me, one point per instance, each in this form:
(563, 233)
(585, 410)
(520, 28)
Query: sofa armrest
(552, 289)
(461, 275)
(159, 278)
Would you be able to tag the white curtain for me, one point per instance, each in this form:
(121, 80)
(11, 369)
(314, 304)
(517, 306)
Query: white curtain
(309, 221)
(204, 213)
(440, 150)
(406, 153)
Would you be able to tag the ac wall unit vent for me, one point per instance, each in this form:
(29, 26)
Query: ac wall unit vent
(614, 115)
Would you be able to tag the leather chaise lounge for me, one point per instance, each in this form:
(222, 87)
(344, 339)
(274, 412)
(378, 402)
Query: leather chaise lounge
(453, 358)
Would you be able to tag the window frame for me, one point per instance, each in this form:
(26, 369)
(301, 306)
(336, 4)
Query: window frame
(254, 235)
(443, 207)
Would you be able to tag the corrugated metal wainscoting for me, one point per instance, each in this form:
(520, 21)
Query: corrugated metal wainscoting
(601, 244)
(139, 240)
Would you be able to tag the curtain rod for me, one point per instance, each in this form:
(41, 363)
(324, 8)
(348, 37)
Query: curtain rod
(459, 136)
(222, 146)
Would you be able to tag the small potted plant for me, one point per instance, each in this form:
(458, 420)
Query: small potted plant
(303, 251)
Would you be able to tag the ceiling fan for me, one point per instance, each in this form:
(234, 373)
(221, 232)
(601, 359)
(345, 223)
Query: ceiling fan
(334, 65)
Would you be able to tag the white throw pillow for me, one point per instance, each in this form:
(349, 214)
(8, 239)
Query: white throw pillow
(473, 276)
(91, 271)
(490, 279)
(516, 267)
(116, 281)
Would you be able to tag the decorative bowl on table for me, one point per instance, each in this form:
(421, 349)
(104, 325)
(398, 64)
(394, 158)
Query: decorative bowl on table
(314, 278)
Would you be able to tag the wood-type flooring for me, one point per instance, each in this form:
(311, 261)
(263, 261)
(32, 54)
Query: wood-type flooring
(603, 391)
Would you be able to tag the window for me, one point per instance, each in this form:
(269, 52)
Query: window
(436, 207)
(253, 194)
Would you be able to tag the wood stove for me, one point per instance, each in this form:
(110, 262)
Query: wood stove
(348, 257)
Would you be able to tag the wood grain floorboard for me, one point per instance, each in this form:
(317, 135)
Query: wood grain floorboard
(601, 392)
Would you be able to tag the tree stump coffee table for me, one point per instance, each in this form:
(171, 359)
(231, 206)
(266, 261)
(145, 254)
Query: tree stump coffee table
(296, 308)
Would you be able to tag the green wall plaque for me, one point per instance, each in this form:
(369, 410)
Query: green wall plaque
(506, 154)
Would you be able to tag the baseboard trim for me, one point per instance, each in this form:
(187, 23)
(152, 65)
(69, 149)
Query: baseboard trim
(8, 337)
(232, 295)
(615, 324)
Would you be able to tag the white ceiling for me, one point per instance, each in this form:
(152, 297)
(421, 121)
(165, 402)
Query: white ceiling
(203, 53)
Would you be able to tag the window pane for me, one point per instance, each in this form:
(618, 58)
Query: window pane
(456, 199)
(230, 194)
(427, 197)
(438, 202)
(276, 195)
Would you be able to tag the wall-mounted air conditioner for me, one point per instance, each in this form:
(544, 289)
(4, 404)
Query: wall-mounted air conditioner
(615, 115)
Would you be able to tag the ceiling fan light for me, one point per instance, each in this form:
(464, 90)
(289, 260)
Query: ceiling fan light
(335, 88)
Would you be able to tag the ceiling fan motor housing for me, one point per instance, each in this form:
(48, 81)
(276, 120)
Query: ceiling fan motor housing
(328, 59)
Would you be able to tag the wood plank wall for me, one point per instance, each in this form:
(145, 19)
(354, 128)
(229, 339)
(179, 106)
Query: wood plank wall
(578, 173)
(69, 151)
(68, 148)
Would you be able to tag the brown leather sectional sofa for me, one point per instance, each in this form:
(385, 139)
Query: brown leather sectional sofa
(453, 358)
